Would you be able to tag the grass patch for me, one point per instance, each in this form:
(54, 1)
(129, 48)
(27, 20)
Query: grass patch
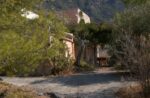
(10, 91)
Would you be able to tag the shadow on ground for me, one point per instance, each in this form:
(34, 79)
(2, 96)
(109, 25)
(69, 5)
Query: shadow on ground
(84, 79)
(107, 93)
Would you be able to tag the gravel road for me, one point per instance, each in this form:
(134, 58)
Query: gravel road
(95, 84)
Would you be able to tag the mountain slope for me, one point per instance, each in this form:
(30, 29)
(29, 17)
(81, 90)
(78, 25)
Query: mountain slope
(98, 10)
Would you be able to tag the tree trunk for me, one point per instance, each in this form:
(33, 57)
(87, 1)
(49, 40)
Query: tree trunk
(95, 55)
(80, 51)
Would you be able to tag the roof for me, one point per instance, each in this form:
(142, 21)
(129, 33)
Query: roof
(69, 37)
(72, 15)
(69, 15)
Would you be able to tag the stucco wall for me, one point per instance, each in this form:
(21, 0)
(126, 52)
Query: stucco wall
(85, 17)
(70, 48)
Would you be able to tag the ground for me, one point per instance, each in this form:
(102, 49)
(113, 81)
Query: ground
(96, 84)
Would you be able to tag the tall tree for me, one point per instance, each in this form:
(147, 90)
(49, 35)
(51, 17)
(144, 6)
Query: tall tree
(135, 20)
(132, 45)
(93, 34)
(26, 43)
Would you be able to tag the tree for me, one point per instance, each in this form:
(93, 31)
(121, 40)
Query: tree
(25, 43)
(80, 32)
(133, 43)
(135, 58)
(103, 35)
(135, 20)
(92, 34)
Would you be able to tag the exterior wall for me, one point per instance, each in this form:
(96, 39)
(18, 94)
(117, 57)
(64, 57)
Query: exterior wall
(69, 16)
(72, 16)
(102, 55)
(89, 54)
(85, 17)
(69, 42)
(102, 52)
(70, 49)
(94, 55)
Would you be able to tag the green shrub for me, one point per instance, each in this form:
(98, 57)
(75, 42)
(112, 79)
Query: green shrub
(17, 55)
(62, 65)
(23, 49)
(84, 66)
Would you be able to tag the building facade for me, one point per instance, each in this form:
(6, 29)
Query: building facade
(73, 16)
(70, 45)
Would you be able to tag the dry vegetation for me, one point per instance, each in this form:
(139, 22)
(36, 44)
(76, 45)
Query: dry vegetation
(10, 91)
(134, 54)
(131, 92)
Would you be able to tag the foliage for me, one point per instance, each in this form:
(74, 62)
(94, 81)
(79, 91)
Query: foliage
(134, 55)
(95, 33)
(133, 43)
(135, 20)
(91, 33)
(25, 43)
(131, 92)
(84, 66)
(103, 35)
(62, 65)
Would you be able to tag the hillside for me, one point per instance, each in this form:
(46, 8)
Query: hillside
(98, 10)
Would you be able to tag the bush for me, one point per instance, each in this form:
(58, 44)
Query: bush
(84, 66)
(43, 69)
(56, 66)
(134, 56)
(62, 65)
(17, 56)
(133, 43)
(24, 48)
(131, 92)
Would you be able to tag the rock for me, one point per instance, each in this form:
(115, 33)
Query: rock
(40, 94)
(1, 79)
(54, 95)
(43, 97)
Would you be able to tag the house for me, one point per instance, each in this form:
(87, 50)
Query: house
(93, 54)
(73, 16)
(69, 42)
(89, 54)
(102, 55)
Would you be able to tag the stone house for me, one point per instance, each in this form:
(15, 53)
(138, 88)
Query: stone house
(93, 54)
(103, 55)
(73, 16)
(70, 45)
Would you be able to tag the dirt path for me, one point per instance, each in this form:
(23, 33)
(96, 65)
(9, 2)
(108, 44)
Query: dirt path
(97, 84)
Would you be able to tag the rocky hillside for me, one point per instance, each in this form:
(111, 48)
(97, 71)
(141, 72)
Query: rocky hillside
(98, 10)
